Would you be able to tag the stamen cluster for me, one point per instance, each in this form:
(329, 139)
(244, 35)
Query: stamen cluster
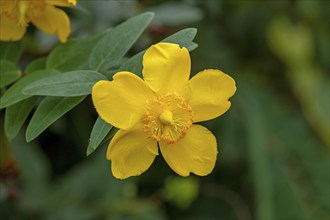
(167, 117)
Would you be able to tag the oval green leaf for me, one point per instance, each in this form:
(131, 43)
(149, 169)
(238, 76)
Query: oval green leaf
(35, 65)
(14, 93)
(11, 50)
(74, 54)
(49, 110)
(16, 115)
(8, 73)
(115, 44)
(99, 132)
(75, 83)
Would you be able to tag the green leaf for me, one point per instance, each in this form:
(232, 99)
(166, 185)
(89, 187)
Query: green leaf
(16, 115)
(110, 134)
(99, 132)
(10, 51)
(118, 41)
(75, 83)
(184, 38)
(49, 110)
(14, 93)
(8, 73)
(37, 64)
(73, 55)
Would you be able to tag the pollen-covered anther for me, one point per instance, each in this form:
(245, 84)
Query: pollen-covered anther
(167, 118)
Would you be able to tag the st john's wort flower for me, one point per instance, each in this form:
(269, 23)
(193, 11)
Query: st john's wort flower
(15, 16)
(160, 110)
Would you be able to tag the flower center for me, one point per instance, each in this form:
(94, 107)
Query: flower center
(167, 118)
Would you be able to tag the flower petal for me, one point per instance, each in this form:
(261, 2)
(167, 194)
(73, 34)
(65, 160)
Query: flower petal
(54, 21)
(166, 67)
(121, 101)
(10, 30)
(131, 152)
(63, 3)
(210, 91)
(196, 152)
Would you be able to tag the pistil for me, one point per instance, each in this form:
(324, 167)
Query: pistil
(166, 117)
(22, 8)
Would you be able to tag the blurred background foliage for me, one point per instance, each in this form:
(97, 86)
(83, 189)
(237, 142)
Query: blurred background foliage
(273, 160)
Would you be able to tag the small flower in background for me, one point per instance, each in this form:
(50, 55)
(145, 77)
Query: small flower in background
(160, 111)
(15, 15)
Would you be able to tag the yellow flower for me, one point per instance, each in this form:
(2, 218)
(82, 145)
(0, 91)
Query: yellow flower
(160, 111)
(15, 15)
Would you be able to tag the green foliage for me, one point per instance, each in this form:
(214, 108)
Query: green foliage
(94, 193)
(115, 44)
(259, 157)
(184, 38)
(281, 170)
(8, 73)
(99, 132)
(14, 93)
(73, 55)
(16, 115)
(74, 83)
(294, 45)
(37, 64)
(49, 110)
(11, 51)
(99, 52)
(95, 52)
